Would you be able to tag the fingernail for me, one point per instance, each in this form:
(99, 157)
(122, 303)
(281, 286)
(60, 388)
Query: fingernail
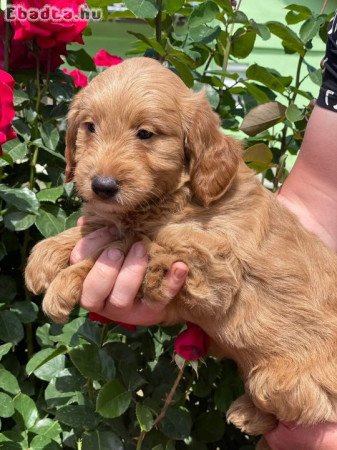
(179, 273)
(139, 250)
(114, 254)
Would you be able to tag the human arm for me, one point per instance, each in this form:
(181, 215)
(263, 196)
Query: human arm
(310, 191)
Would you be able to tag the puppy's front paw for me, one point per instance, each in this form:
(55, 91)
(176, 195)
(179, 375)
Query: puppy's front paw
(44, 263)
(64, 293)
(155, 290)
(248, 418)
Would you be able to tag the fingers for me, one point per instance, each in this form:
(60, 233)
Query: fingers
(101, 279)
(129, 280)
(322, 436)
(91, 242)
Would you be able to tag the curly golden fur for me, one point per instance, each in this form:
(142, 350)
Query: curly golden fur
(259, 284)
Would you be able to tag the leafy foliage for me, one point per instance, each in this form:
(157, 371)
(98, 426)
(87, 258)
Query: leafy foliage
(87, 386)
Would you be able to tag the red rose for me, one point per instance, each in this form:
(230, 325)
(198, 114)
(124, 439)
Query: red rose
(193, 343)
(105, 59)
(80, 78)
(6, 108)
(60, 24)
(102, 319)
(21, 56)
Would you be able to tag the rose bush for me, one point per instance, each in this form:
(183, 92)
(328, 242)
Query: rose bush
(7, 112)
(92, 383)
(48, 33)
(80, 78)
(105, 59)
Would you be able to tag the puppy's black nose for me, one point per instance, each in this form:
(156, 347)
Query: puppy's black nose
(104, 187)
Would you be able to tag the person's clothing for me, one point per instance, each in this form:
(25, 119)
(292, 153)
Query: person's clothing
(328, 93)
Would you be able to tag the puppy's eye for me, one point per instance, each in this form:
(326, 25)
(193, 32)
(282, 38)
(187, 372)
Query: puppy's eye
(90, 127)
(144, 134)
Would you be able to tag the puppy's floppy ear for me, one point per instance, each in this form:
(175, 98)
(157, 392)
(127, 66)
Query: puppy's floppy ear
(214, 158)
(71, 135)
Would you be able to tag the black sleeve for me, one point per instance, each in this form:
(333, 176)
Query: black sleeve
(328, 93)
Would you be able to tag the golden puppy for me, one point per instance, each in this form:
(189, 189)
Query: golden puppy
(147, 155)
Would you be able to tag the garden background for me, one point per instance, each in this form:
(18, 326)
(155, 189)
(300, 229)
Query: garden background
(87, 385)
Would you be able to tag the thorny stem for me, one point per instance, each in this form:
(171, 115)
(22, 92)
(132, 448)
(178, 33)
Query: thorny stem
(227, 49)
(170, 396)
(168, 402)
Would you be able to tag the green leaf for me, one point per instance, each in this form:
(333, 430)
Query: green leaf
(8, 382)
(177, 423)
(101, 440)
(209, 427)
(15, 149)
(311, 27)
(261, 29)
(183, 71)
(113, 400)
(19, 221)
(264, 76)
(11, 329)
(7, 407)
(293, 113)
(152, 43)
(21, 127)
(144, 416)
(50, 194)
(172, 6)
(50, 135)
(26, 310)
(21, 198)
(204, 34)
(297, 13)
(47, 427)
(43, 357)
(5, 348)
(81, 60)
(27, 411)
(51, 368)
(43, 443)
(256, 92)
(77, 416)
(260, 153)
(243, 42)
(48, 224)
(290, 39)
(263, 117)
(64, 389)
(203, 13)
(20, 97)
(89, 361)
(315, 75)
(144, 9)
(223, 396)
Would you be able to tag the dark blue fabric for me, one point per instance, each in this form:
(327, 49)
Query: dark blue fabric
(328, 93)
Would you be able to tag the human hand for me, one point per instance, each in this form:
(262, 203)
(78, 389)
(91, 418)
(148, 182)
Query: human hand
(289, 437)
(111, 286)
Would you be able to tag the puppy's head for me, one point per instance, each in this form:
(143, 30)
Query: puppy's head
(136, 129)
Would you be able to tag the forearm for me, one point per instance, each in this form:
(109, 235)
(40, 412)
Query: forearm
(310, 191)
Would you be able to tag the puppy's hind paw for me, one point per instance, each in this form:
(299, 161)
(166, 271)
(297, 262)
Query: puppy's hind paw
(248, 418)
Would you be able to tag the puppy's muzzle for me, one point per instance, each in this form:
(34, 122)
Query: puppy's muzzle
(105, 187)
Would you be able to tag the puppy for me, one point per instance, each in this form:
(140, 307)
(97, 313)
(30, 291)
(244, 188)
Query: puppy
(148, 157)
